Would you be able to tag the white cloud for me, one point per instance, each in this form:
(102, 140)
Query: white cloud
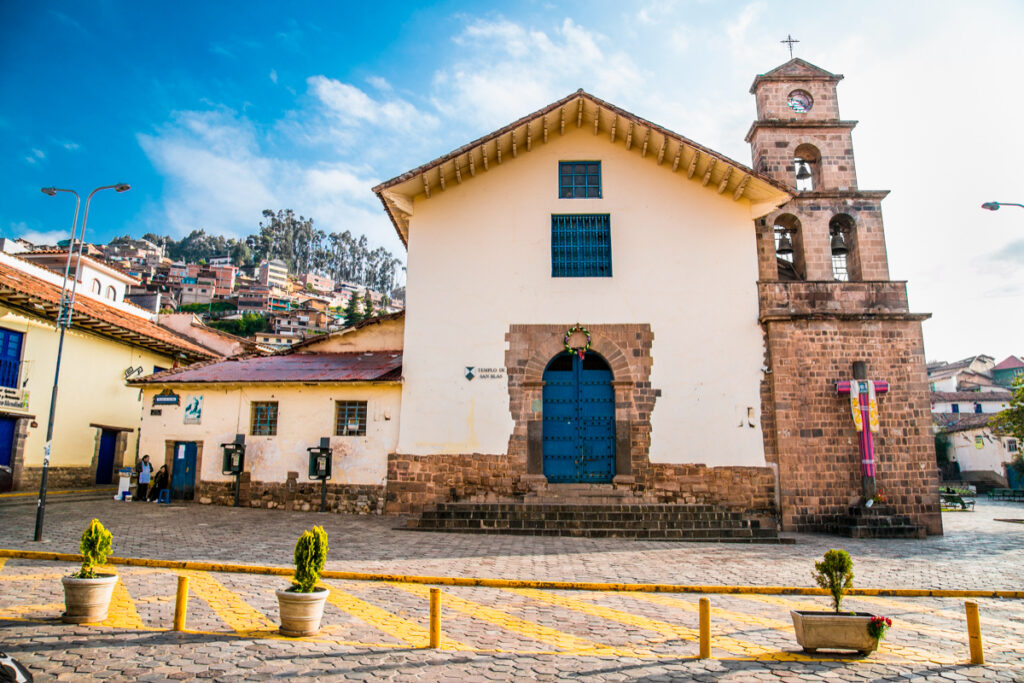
(353, 107)
(379, 83)
(42, 237)
(273, 76)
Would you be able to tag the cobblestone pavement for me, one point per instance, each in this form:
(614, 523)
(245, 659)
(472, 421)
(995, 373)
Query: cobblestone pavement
(376, 631)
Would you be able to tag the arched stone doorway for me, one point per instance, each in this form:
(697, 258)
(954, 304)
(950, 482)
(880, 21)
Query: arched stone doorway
(579, 419)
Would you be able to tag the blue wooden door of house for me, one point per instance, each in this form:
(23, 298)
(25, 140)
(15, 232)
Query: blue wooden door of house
(183, 470)
(7, 425)
(579, 420)
(10, 357)
(105, 458)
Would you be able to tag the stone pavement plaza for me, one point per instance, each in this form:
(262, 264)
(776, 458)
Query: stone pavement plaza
(377, 631)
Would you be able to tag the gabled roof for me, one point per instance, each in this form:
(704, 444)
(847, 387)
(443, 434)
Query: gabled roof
(370, 366)
(319, 339)
(580, 109)
(960, 422)
(1010, 363)
(796, 69)
(40, 298)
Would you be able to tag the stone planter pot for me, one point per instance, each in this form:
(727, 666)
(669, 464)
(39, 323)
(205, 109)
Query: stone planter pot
(830, 631)
(87, 600)
(301, 612)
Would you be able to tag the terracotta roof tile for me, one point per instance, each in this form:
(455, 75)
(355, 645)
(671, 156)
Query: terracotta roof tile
(1010, 363)
(976, 396)
(92, 314)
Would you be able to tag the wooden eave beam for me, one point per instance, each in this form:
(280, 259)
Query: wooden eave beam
(472, 164)
(693, 164)
(544, 130)
(597, 120)
(679, 155)
(426, 186)
(725, 180)
(458, 172)
(629, 136)
(661, 152)
(561, 120)
(615, 120)
(440, 176)
(483, 153)
(579, 113)
(708, 170)
(647, 138)
(741, 187)
(515, 152)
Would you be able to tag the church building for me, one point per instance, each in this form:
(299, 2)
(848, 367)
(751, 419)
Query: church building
(601, 310)
(595, 299)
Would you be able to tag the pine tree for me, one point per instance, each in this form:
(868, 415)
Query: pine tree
(368, 311)
(352, 312)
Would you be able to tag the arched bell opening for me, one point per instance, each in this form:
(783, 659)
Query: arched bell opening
(807, 168)
(789, 247)
(842, 232)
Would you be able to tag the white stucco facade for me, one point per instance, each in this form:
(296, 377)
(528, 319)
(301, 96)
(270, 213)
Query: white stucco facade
(979, 450)
(684, 261)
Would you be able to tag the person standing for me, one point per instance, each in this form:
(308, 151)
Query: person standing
(145, 470)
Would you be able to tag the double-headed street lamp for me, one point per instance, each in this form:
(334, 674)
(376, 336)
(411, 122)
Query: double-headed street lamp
(67, 306)
(994, 206)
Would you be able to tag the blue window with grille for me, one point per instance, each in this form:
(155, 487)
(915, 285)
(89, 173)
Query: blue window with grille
(578, 179)
(581, 245)
(10, 357)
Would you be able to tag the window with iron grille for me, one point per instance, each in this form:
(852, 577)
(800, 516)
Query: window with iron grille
(350, 418)
(578, 179)
(581, 245)
(10, 357)
(263, 420)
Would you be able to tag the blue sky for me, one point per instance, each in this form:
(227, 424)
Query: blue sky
(214, 111)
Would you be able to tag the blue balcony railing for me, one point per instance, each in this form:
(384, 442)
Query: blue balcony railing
(10, 371)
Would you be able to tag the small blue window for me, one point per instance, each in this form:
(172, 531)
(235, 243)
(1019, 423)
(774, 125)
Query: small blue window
(581, 245)
(579, 179)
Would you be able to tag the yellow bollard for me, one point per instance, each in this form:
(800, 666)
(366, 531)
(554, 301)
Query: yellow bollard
(705, 629)
(181, 604)
(435, 618)
(974, 633)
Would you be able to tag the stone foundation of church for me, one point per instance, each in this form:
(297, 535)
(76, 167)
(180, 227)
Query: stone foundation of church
(815, 331)
(362, 499)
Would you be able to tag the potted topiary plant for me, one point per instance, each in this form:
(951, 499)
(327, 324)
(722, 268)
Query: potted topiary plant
(86, 593)
(302, 605)
(837, 630)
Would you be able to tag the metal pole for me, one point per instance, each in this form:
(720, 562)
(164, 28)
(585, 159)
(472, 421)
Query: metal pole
(435, 619)
(705, 628)
(64, 314)
(63, 311)
(181, 604)
(974, 633)
(323, 495)
(238, 486)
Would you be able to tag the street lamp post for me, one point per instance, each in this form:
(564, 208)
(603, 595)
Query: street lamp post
(67, 306)
(994, 206)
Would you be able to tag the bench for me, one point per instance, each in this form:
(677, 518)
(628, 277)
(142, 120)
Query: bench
(954, 501)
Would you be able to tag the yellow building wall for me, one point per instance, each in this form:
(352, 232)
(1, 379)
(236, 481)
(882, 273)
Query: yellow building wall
(387, 335)
(305, 414)
(92, 389)
(684, 260)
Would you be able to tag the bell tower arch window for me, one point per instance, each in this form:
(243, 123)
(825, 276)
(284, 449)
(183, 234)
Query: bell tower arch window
(807, 168)
(842, 231)
(789, 247)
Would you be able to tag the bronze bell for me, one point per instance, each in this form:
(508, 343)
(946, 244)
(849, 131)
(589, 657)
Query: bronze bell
(785, 245)
(803, 170)
(839, 247)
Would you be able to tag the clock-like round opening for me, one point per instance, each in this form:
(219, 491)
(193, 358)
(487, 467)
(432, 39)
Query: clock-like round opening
(800, 101)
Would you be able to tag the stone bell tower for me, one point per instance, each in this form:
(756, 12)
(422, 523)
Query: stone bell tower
(826, 302)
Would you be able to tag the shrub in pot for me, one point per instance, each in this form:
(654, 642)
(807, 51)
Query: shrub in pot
(87, 593)
(837, 630)
(302, 605)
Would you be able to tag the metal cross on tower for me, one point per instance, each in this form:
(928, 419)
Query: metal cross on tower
(790, 41)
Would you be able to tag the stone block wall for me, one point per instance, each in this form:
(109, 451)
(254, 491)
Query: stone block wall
(416, 481)
(294, 495)
(815, 444)
(57, 478)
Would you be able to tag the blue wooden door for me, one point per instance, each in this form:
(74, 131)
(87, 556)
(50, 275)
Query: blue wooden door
(183, 470)
(579, 420)
(7, 425)
(105, 459)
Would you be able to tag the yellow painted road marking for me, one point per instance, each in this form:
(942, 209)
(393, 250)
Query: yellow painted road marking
(956, 615)
(407, 631)
(122, 613)
(3, 561)
(239, 615)
(544, 634)
(740, 617)
(26, 494)
(731, 645)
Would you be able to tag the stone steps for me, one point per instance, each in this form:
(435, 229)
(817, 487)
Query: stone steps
(627, 520)
(53, 497)
(876, 522)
